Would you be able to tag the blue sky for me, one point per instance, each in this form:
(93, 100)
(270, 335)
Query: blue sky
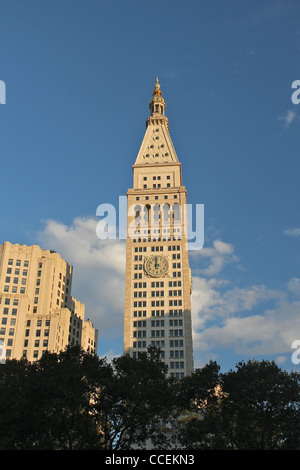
(79, 76)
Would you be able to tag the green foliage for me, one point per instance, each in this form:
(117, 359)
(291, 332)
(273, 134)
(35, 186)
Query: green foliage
(255, 407)
(75, 400)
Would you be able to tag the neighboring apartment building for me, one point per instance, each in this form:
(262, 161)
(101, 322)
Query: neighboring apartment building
(37, 310)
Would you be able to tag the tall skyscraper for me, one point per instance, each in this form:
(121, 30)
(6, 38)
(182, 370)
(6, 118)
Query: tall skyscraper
(158, 277)
(37, 310)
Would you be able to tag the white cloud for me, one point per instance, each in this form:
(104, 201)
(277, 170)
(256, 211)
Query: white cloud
(99, 270)
(288, 118)
(253, 320)
(219, 255)
(292, 232)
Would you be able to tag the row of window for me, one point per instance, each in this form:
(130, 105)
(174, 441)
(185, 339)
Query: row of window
(36, 351)
(140, 275)
(158, 313)
(37, 343)
(172, 303)
(154, 185)
(156, 238)
(17, 271)
(168, 177)
(155, 197)
(14, 289)
(158, 333)
(143, 285)
(172, 322)
(18, 263)
(173, 343)
(37, 332)
(6, 311)
(141, 249)
(15, 280)
(8, 299)
(11, 331)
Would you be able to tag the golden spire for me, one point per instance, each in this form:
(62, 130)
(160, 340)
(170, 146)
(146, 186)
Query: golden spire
(157, 90)
(157, 107)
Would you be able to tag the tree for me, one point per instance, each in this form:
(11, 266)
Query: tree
(199, 399)
(48, 404)
(16, 404)
(260, 409)
(134, 401)
(254, 407)
(75, 400)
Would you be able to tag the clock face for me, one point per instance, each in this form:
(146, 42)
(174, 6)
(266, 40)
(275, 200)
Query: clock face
(156, 266)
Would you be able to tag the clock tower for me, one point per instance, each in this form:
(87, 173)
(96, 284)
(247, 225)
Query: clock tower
(158, 277)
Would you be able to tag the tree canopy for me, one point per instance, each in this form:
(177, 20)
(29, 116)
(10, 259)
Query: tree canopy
(76, 400)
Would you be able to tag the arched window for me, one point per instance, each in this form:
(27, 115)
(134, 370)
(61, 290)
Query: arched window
(166, 212)
(176, 213)
(156, 209)
(137, 211)
(147, 209)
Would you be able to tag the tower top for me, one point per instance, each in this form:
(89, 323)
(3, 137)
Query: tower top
(157, 146)
(157, 90)
(157, 107)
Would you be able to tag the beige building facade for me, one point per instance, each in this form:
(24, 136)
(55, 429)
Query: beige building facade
(37, 310)
(158, 276)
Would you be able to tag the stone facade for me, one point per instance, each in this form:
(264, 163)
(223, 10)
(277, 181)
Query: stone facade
(37, 310)
(158, 276)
